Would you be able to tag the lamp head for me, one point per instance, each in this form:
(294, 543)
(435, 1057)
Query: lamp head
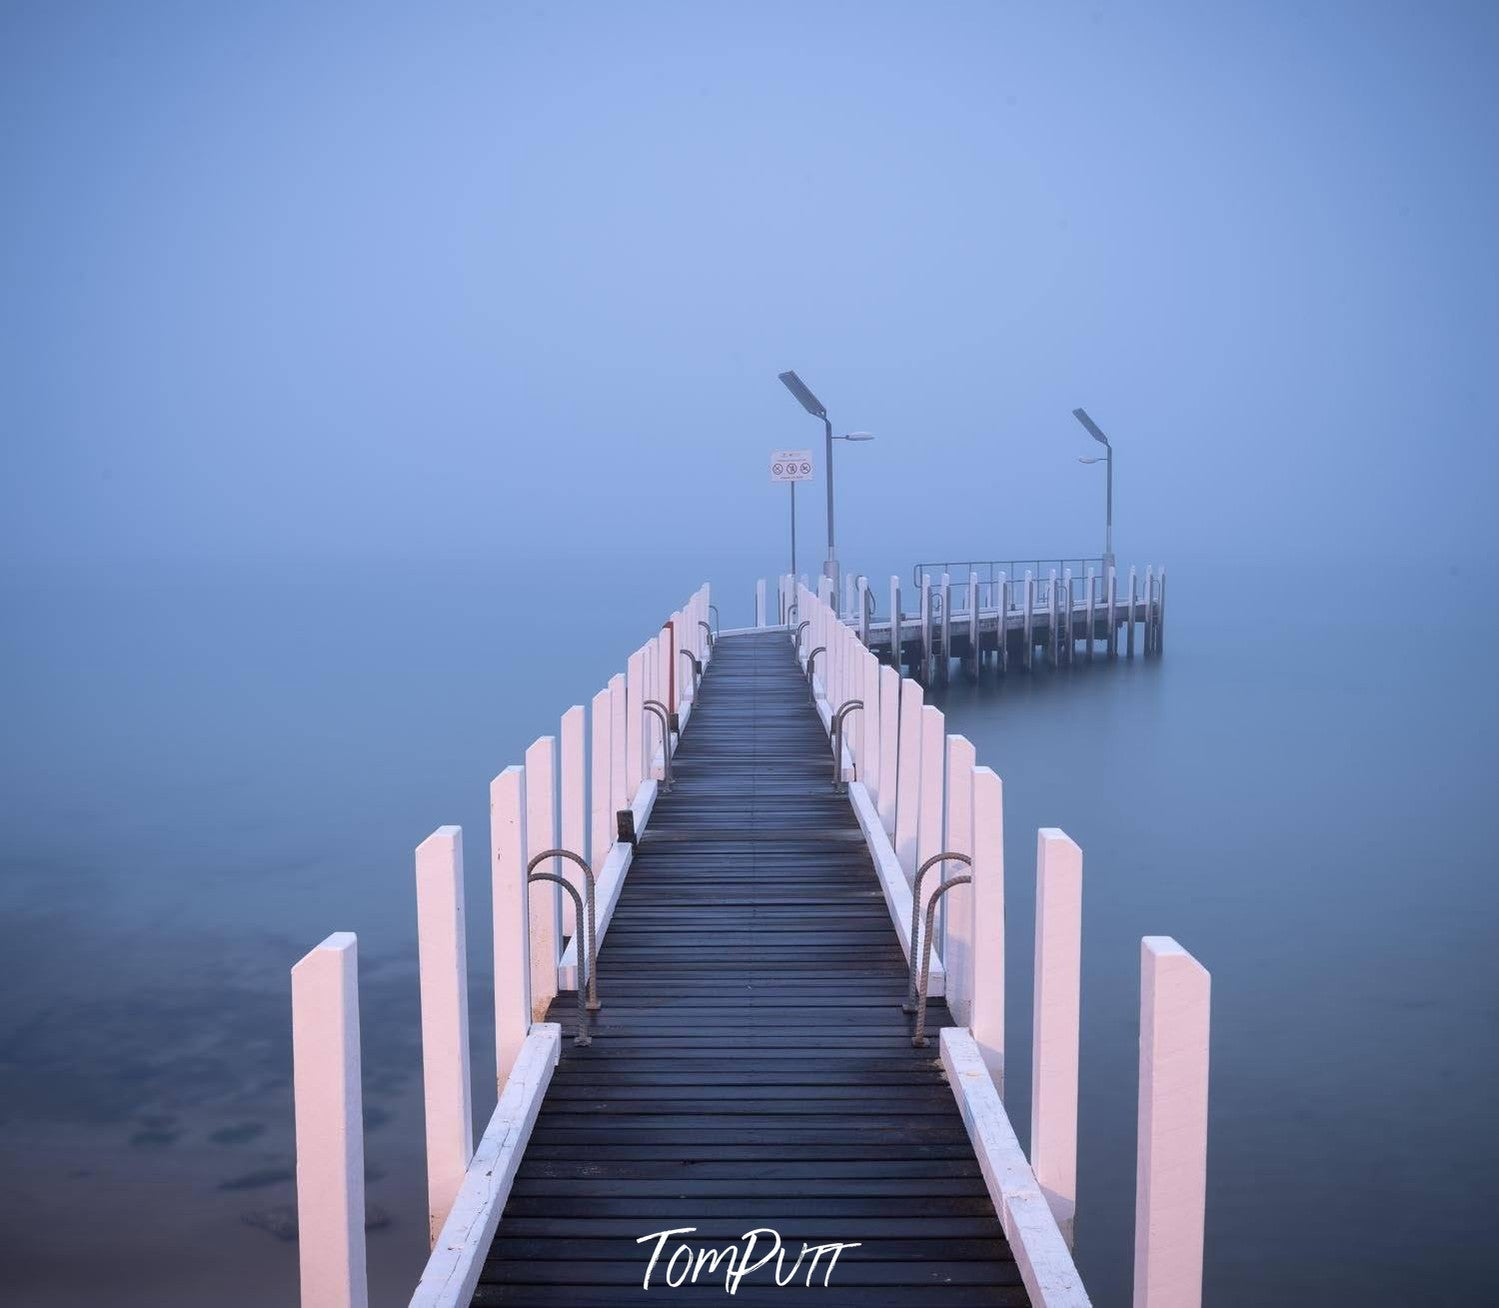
(804, 397)
(1090, 426)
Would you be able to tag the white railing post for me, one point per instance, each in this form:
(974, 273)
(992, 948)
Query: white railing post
(512, 930)
(926, 628)
(889, 746)
(908, 777)
(635, 698)
(895, 622)
(1057, 996)
(442, 964)
(760, 603)
(988, 1014)
(1171, 1158)
(574, 812)
(974, 639)
(600, 787)
(957, 953)
(618, 797)
(929, 831)
(545, 915)
(869, 729)
(657, 735)
(328, 1107)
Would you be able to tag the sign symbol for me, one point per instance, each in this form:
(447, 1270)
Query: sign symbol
(778, 469)
(806, 467)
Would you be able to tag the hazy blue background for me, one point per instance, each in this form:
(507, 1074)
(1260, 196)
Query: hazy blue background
(335, 338)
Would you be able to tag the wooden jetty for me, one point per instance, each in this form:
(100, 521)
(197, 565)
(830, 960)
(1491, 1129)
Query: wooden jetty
(1004, 620)
(787, 1068)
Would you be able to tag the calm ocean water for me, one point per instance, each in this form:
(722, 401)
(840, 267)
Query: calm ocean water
(201, 781)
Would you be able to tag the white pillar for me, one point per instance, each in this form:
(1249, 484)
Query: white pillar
(619, 797)
(957, 953)
(1054, 1049)
(442, 965)
(1172, 1145)
(889, 746)
(895, 622)
(512, 928)
(600, 789)
(908, 777)
(655, 733)
(988, 1016)
(541, 833)
(869, 728)
(973, 626)
(925, 608)
(760, 603)
(929, 833)
(327, 1104)
(574, 810)
(634, 725)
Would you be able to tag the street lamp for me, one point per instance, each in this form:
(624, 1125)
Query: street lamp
(1091, 428)
(815, 407)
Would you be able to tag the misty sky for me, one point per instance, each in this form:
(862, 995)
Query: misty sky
(300, 282)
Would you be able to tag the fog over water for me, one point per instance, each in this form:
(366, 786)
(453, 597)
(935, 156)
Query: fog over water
(375, 380)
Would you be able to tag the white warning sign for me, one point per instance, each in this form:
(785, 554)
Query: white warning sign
(791, 465)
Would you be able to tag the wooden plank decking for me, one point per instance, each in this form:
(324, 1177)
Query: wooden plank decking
(751, 1066)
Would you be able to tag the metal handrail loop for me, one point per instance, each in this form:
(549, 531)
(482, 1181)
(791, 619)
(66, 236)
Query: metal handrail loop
(800, 627)
(582, 1038)
(697, 673)
(847, 707)
(946, 856)
(919, 1038)
(593, 935)
(709, 630)
(656, 707)
(821, 649)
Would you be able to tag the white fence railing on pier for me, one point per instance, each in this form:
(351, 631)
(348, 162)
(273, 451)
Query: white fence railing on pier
(568, 794)
(919, 794)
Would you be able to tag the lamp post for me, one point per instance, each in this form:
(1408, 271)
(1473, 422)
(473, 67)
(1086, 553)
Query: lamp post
(815, 407)
(1091, 428)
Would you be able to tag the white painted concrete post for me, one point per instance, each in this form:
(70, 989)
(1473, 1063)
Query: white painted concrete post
(600, 791)
(889, 746)
(926, 628)
(973, 631)
(929, 821)
(635, 697)
(869, 728)
(574, 809)
(512, 927)
(1057, 998)
(1113, 614)
(988, 1016)
(908, 776)
(1003, 601)
(442, 965)
(618, 699)
(957, 954)
(760, 603)
(1030, 618)
(650, 726)
(545, 915)
(328, 1107)
(1171, 1161)
(895, 622)
(659, 738)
